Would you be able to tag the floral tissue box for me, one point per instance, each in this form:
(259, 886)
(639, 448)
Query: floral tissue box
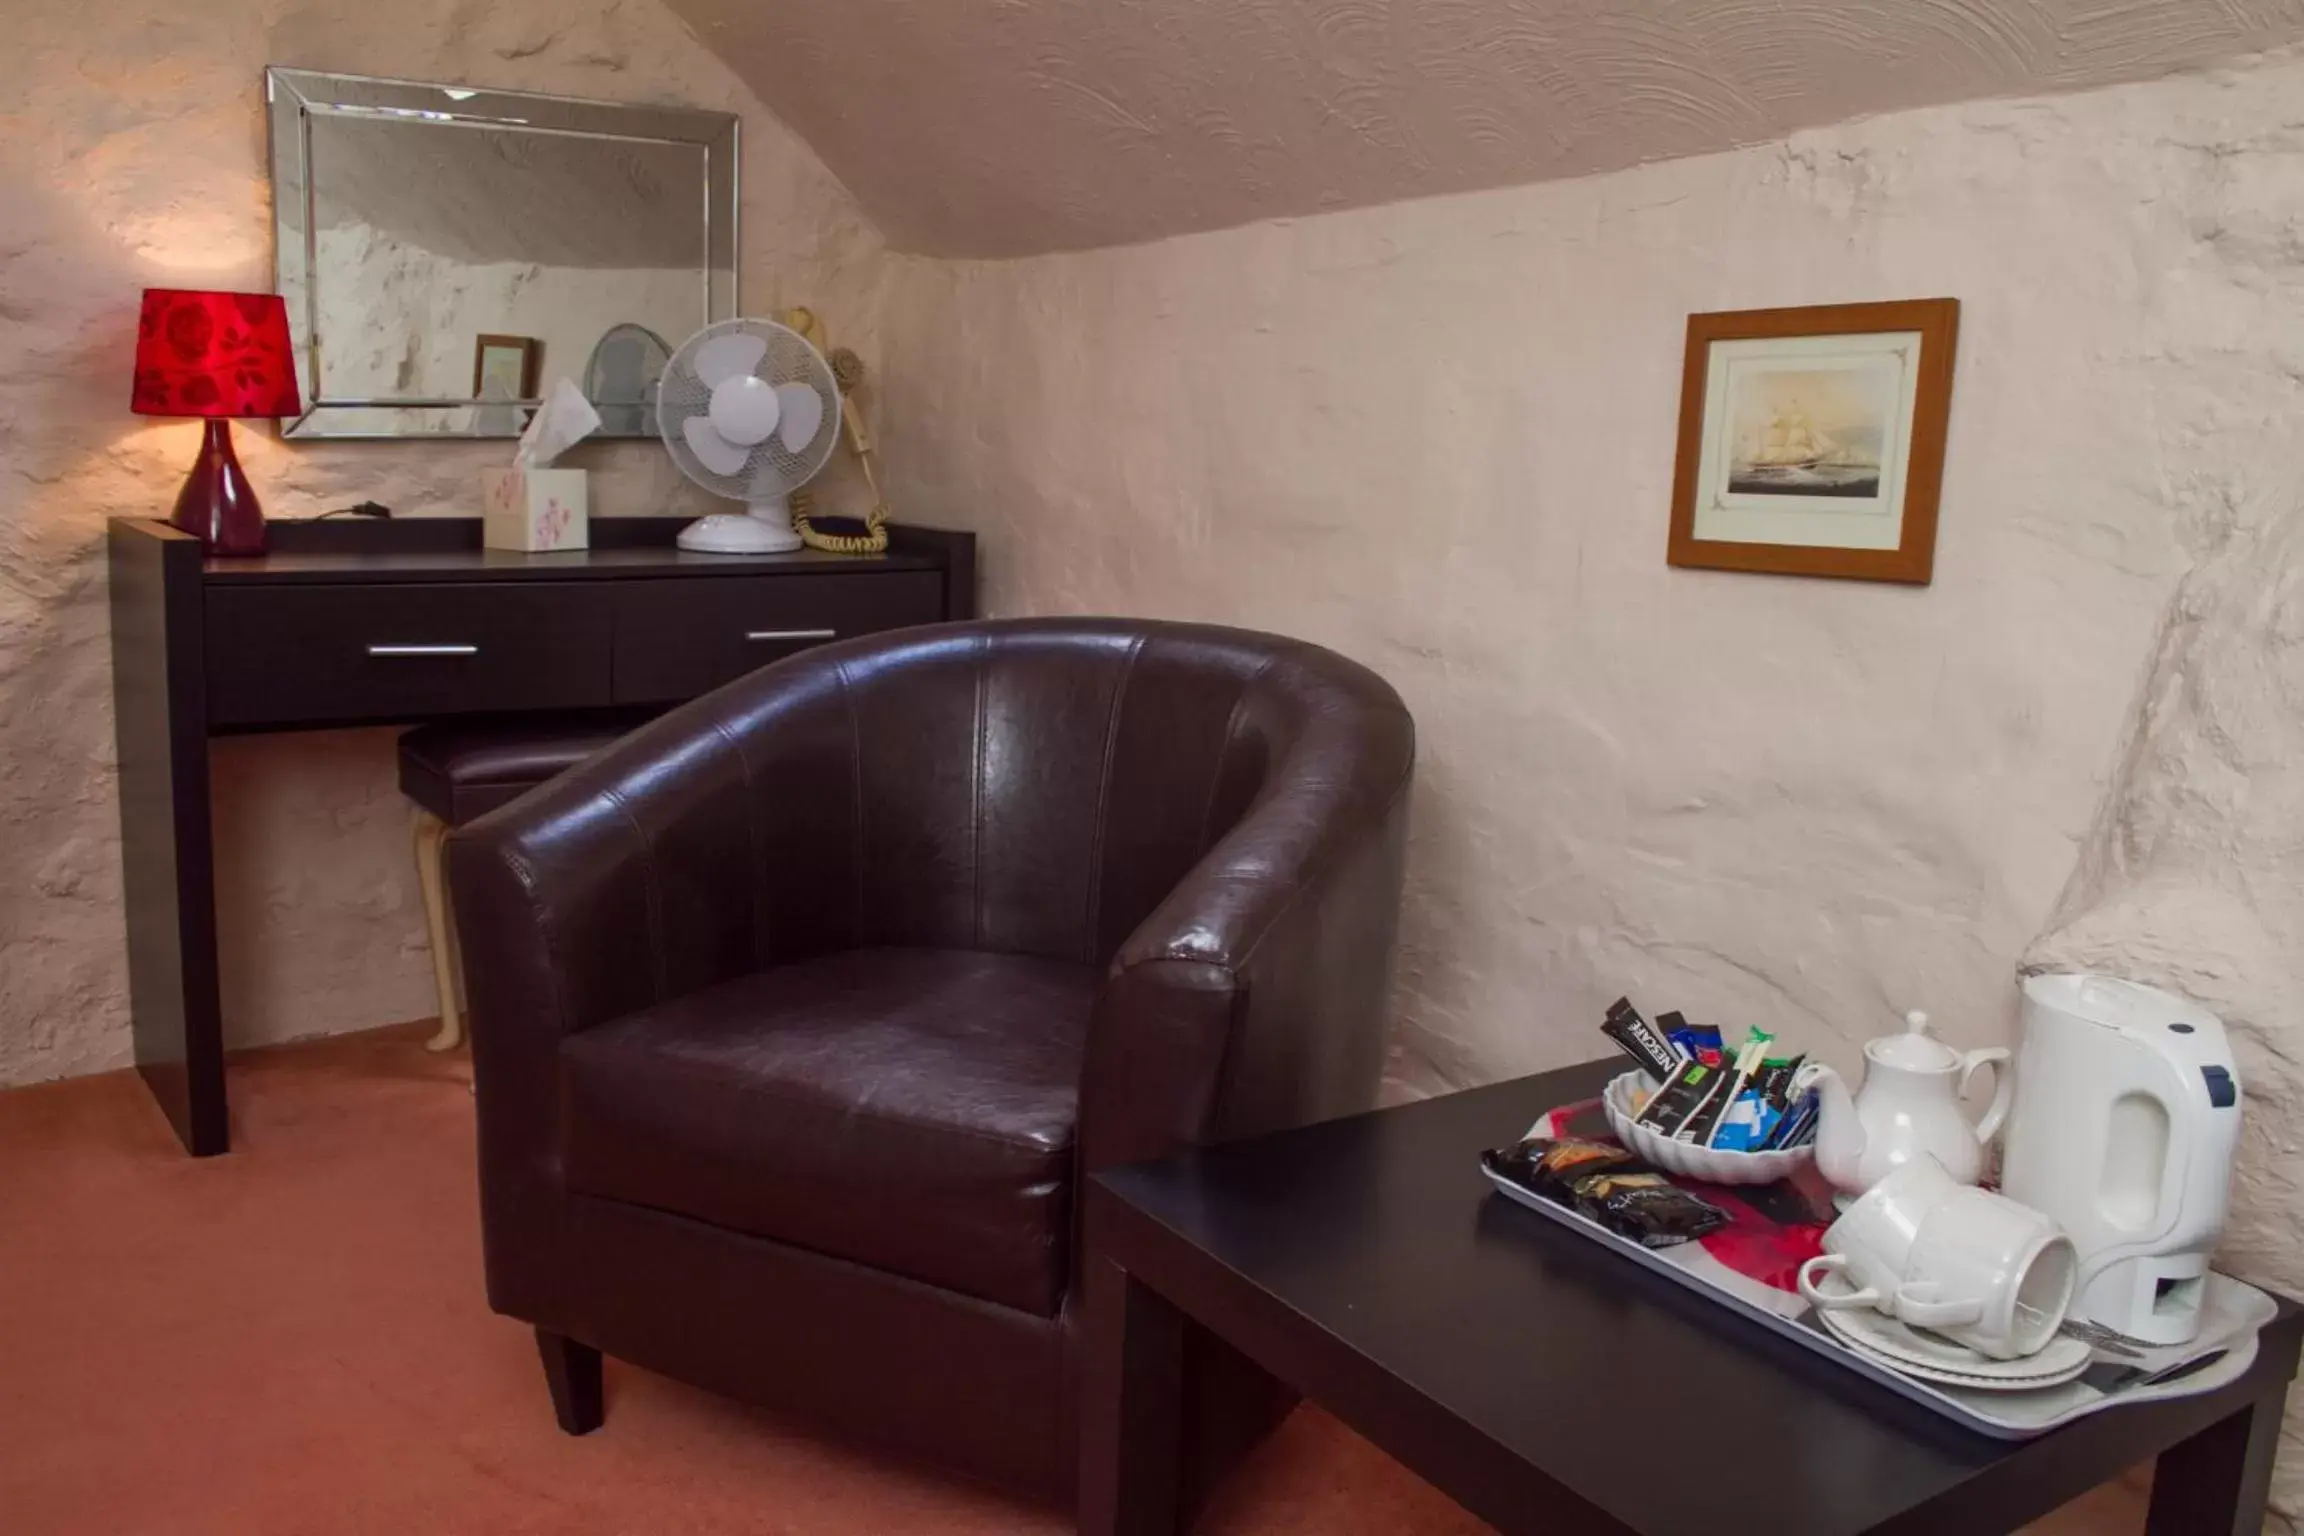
(533, 509)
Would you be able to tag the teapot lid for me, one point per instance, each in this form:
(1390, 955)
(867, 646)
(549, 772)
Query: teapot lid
(1914, 1050)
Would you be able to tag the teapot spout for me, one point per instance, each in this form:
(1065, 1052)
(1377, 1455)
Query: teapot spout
(1839, 1133)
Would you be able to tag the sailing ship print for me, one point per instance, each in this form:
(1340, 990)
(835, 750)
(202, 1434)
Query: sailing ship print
(1790, 441)
(1781, 449)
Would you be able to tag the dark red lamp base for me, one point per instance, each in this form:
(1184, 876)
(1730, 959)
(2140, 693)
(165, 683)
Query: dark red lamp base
(217, 505)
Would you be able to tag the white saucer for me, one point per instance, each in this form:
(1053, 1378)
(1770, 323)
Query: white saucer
(1931, 1357)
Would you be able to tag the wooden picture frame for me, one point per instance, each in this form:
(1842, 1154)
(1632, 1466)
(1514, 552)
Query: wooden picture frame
(489, 354)
(1812, 439)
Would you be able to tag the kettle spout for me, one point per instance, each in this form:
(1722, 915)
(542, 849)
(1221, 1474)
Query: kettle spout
(1839, 1133)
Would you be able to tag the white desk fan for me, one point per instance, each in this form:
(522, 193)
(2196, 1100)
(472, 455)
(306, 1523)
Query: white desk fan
(748, 410)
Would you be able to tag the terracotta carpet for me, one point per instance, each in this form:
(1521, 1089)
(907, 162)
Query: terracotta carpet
(293, 1339)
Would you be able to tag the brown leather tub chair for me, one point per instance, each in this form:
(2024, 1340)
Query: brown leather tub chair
(799, 1015)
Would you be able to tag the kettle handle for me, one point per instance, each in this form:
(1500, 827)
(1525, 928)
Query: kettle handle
(2003, 1089)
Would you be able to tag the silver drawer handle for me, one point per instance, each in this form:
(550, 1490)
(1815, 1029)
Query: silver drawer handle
(790, 634)
(423, 650)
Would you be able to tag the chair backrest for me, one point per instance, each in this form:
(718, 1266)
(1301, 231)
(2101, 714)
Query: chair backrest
(1038, 786)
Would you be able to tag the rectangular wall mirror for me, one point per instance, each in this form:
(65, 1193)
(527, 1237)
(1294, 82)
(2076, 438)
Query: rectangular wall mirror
(445, 253)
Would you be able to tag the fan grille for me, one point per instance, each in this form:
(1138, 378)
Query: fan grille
(771, 470)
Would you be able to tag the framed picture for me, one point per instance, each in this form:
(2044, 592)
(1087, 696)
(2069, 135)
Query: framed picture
(505, 367)
(1812, 440)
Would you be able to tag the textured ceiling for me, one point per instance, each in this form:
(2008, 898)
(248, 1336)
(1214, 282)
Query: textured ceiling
(1002, 127)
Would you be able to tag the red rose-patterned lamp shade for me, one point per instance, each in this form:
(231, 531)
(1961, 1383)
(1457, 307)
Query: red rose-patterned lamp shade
(217, 355)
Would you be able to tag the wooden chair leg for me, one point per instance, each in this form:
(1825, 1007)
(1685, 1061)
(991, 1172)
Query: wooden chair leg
(431, 835)
(572, 1371)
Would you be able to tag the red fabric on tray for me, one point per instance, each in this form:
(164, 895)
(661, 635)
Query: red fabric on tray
(1773, 1228)
(1754, 1245)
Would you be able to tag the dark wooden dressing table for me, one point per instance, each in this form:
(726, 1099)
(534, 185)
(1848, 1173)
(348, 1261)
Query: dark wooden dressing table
(349, 623)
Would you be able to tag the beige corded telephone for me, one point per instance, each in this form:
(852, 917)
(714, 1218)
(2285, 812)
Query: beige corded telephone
(848, 373)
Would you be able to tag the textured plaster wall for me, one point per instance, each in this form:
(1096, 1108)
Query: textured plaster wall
(1439, 435)
(2192, 875)
(993, 128)
(132, 154)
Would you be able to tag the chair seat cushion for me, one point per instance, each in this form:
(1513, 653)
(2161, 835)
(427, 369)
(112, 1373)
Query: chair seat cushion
(462, 769)
(908, 1109)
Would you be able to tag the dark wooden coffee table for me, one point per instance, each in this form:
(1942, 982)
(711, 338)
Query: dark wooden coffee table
(1549, 1385)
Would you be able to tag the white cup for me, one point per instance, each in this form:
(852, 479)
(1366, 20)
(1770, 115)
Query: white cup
(1935, 1253)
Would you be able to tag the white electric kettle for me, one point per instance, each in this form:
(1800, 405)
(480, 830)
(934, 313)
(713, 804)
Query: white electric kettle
(1909, 1104)
(2127, 1111)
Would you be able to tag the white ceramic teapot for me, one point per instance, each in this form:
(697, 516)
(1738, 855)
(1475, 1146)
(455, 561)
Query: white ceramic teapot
(1909, 1104)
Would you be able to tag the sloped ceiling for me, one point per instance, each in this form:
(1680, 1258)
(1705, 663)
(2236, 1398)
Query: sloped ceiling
(1005, 127)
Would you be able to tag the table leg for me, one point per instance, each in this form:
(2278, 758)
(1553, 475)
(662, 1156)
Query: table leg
(2216, 1481)
(167, 862)
(1131, 1464)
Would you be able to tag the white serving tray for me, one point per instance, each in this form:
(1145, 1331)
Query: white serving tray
(2230, 1315)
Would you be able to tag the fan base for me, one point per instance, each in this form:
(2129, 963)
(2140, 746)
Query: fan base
(738, 533)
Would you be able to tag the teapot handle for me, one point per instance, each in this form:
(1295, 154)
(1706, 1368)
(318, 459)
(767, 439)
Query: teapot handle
(2003, 1088)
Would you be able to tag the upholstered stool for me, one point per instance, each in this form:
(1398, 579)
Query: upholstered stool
(459, 769)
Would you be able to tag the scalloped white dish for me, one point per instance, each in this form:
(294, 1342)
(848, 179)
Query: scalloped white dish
(1711, 1164)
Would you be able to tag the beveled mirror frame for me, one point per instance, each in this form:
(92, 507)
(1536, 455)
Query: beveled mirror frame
(294, 97)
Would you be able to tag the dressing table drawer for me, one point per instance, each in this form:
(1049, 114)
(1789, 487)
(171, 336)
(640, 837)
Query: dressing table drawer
(319, 654)
(678, 638)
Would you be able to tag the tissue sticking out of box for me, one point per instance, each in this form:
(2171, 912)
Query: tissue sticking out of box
(564, 419)
(531, 507)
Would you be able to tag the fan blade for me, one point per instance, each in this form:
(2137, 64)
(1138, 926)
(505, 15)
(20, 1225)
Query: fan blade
(728, 357)
(713, 451)
(803, 414)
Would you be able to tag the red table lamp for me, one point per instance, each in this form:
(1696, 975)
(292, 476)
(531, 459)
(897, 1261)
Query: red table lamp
(217, 355)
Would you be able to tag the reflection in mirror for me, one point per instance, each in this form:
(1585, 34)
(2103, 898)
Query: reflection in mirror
(620, 380)
(447, 253)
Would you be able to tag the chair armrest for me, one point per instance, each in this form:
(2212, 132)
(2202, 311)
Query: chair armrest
(1256, 996)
